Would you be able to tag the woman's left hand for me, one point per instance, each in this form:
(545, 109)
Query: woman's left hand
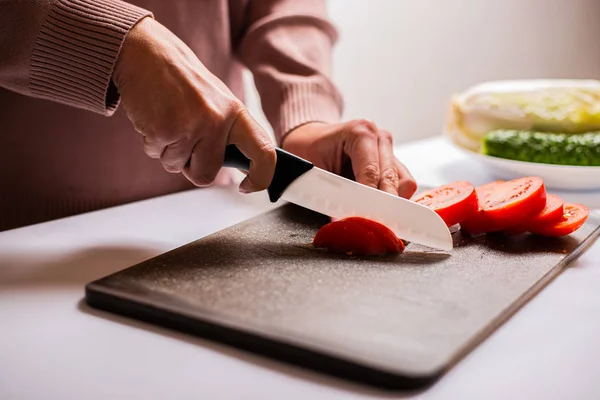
(359, 144)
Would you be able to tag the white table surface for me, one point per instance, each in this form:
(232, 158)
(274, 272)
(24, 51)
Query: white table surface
(52, 346)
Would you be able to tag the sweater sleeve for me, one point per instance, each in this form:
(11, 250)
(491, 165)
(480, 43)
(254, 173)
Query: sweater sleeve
(287, 45)
(65, 50)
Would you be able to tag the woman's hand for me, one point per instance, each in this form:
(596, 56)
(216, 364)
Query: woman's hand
(186, 114)
(368, 149)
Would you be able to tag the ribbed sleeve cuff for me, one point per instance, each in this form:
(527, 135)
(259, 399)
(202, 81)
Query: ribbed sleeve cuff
(307, 102)
(76, 51)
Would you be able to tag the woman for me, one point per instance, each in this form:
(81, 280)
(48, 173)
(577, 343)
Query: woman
(81, 76)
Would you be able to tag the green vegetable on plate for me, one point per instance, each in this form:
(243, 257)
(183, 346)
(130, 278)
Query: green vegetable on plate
(542, 147)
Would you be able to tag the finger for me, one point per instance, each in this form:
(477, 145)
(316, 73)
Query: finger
(389, 179)
(204, 163)
(254, 142)
(152, 148)
(176, 155)
(362, 149)
(139, 126)
(407, 186)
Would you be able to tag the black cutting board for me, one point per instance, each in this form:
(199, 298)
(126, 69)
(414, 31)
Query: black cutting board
(395, 322)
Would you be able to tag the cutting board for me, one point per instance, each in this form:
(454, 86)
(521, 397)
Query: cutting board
(396, 322)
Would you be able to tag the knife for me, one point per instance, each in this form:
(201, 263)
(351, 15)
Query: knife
(298, 181)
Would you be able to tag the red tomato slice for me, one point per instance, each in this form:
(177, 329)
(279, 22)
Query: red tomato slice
(573, 218)
(505, 204)
(357, 236)
(479, 223)
(552, 212)
(454, 202)
(380, 229)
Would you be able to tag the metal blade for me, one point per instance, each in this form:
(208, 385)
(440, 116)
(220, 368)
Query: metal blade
(338, 197)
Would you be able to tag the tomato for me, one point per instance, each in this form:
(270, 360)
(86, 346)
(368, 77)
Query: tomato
(454, 202)
(357, 236)
(552, 212)
(479, 223)
(573, 218)
(505, 204)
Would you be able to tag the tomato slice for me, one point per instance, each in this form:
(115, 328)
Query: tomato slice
(376, 227)
(552, 212)
(454, 202)
(505, 204)
(479, 223)
(573, 218)
(358, 236)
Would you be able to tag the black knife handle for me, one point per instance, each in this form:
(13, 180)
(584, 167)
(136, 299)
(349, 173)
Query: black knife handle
(288, 168)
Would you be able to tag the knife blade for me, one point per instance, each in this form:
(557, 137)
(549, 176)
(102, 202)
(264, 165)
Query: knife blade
(298, 181)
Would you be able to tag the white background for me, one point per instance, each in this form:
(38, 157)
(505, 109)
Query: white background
(398, 61)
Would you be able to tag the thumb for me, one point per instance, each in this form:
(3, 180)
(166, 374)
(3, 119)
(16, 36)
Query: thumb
(247, 186)
(254, 142)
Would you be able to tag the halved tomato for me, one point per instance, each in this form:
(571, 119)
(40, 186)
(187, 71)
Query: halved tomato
(357, 236)
(505, 204)
(454, 202)
(573, 218)
(552, 212)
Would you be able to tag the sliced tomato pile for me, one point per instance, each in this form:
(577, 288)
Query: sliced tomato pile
(503, 205)
(454, 202)
(358, 236)
(552, 212)
(513, 207)
(573, 218)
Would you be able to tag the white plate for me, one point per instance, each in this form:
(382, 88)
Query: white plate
(559, 177)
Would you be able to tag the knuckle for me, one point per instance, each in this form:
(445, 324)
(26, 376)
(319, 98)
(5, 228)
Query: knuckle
(367, 135)
(139, 126)
(267, 149)
(364, 126)
(172, 167)
(386, 135)
(152, 150)
(390, 176)
(371, 173)
(362, 136)
(237, 107)
(234, 110)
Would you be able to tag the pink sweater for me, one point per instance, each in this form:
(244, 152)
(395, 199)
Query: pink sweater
(65, 145)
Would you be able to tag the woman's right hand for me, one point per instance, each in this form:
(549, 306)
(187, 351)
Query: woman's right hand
(186, 115)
